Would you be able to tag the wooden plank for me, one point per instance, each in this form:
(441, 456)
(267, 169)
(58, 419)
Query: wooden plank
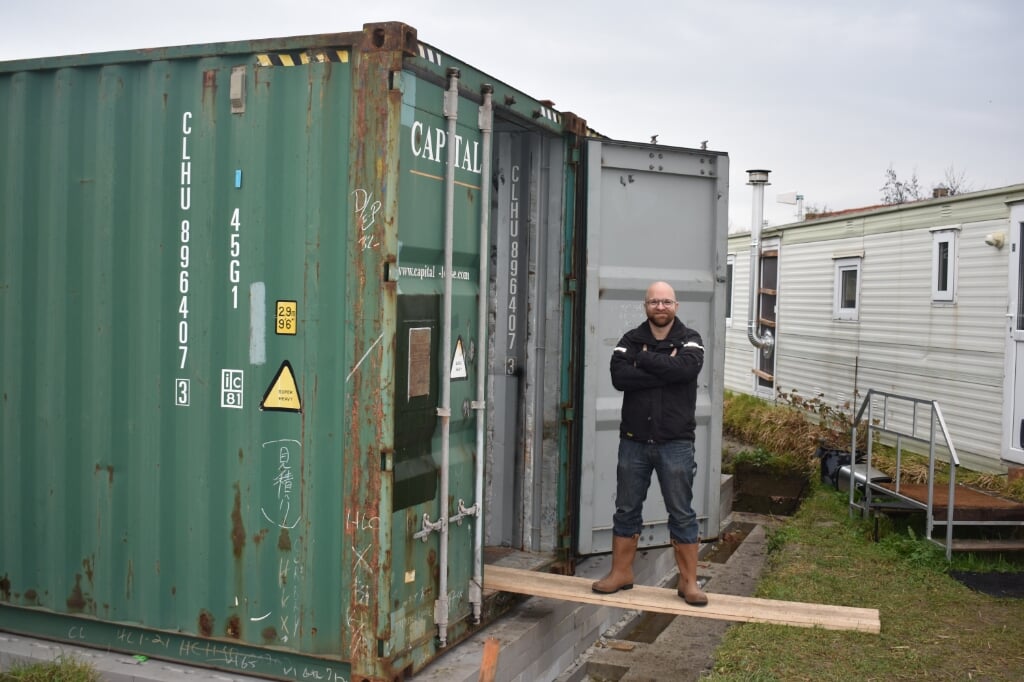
(665, 600)
(993, 545)
(489, 662)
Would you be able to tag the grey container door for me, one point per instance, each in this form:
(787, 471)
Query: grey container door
(653, 213)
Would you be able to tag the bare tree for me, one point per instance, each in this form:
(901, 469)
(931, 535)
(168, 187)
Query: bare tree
(814, 211)
(896, 191)
(954, 183)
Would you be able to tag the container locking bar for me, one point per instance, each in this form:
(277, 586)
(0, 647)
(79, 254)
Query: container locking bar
(464, 511)
(429, 527)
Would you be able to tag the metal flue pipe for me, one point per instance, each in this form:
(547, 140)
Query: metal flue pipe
(757, 179)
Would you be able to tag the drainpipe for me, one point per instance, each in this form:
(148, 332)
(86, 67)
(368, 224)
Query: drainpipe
(486, 129)
(757, 179)
(451, 110)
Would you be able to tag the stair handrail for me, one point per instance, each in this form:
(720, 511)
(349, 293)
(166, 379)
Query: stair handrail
(935, 416)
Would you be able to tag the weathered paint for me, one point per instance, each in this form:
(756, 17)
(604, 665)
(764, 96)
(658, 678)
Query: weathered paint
(149, 503)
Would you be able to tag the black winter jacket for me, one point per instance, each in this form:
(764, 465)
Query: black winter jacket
(659, 389)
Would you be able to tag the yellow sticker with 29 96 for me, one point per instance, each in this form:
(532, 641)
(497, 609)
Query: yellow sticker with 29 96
(286, 319)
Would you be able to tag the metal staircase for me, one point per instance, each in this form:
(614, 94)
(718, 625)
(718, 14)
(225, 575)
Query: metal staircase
(898, 419)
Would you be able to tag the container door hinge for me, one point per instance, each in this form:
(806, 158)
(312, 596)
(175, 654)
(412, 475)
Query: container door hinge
(396, 82)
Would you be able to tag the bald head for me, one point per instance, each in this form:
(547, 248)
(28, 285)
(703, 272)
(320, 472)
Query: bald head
(661, 290)
(660, 306)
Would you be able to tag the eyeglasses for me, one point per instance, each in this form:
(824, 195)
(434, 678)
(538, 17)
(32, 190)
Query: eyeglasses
(661, 303)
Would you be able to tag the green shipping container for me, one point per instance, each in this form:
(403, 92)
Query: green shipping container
(270, 310)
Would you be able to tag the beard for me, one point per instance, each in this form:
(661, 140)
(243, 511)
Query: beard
(661, 320)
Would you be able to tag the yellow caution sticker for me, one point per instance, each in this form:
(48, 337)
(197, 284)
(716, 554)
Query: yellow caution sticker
(283, 393)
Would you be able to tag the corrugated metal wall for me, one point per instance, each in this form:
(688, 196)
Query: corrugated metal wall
(155, 220)
(145, 229)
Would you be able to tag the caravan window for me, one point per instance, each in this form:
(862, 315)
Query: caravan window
(846, 297)
(944, 265)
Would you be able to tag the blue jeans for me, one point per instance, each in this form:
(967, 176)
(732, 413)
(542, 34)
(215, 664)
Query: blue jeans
(676, 467)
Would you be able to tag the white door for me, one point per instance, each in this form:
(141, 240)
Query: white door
(653, 213)
(1013, 438)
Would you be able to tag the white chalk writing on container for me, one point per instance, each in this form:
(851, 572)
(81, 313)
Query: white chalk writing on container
(366, 210)
(283, 483)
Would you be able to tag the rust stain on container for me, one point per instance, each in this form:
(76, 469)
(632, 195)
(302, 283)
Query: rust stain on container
(269, 635)
(5, 588)
(234, 627)
(284, 541)
(75, 601)
(206, 621)
(209, 88)
(87, 566)
(258, 537)
(237, 527)
(31, 597)
(110, 471)
(241, 455)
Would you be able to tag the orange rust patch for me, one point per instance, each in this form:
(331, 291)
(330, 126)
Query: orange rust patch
(237, 527)
(206, 621)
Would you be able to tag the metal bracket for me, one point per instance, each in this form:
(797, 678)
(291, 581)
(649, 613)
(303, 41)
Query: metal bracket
(464, 511)
(428, 528)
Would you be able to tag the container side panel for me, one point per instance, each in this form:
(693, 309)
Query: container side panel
(172, 265)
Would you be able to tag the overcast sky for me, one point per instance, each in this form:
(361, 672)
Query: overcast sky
(826, 94)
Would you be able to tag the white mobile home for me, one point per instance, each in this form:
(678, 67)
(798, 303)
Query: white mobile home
(924, 299)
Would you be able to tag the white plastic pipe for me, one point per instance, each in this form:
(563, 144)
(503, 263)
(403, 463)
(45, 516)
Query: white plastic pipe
(486, 121)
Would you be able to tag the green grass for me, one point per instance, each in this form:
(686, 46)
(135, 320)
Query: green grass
(933, 628)
(63, 669)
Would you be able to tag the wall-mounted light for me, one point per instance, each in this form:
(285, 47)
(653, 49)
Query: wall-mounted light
(996, 239)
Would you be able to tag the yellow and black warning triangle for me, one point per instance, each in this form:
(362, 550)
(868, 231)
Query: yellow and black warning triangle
(283, 393)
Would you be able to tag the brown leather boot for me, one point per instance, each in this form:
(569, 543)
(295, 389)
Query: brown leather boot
(621, 575)
(686, 560)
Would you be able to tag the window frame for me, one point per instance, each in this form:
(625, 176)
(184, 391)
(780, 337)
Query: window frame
(844, 264)
(946, 235)
(730, 288)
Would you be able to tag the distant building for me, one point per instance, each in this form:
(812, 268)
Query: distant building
(924, 299)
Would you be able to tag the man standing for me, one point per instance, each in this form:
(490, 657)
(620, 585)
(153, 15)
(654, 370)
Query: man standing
(656, 367)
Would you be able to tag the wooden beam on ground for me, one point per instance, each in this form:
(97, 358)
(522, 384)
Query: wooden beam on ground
(665, 600)
(489, 661)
